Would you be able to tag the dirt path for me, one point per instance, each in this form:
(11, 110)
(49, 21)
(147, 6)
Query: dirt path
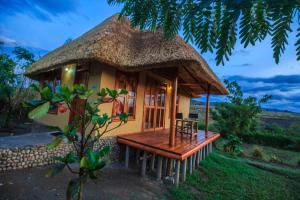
(115, 183)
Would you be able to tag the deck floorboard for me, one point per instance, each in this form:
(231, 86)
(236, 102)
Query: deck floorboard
(158, 143)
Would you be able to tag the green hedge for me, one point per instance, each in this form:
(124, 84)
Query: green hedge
(279, 141)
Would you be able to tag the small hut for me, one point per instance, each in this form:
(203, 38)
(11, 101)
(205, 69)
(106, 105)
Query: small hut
(160, 75)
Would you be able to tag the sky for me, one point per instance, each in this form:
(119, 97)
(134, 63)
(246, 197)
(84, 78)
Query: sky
(44, 25)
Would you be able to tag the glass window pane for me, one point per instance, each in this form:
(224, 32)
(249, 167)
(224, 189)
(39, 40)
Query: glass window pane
(146, 118)
(163, 98)
(162, 118)
(152, 103)
(119, 105)
(131, 103)
(152, 118)
(157, 118)
(158, 99)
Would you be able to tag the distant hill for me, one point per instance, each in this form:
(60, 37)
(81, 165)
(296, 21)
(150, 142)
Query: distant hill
(202, 104)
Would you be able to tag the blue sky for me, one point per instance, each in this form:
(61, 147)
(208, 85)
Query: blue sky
(47, 24)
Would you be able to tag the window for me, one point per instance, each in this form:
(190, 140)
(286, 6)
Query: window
(53, 80)
(126, 103)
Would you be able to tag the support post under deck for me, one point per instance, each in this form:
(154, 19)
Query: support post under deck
(159, 167)
(127, 157)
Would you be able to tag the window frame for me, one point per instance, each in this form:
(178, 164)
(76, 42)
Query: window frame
(124, 76)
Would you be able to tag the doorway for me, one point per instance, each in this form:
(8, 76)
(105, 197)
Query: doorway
(154, 105)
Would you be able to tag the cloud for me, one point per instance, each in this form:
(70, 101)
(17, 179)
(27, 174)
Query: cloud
(40, 9)
(285, 90)
(242, 65)
(7, 41)
(242, 52)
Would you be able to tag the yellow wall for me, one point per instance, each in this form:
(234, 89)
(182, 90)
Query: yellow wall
(101, 76)
(184, 105)
(61, 119)
(135, 125)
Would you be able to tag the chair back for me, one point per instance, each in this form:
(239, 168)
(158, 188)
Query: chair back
(193, 116)
(179, 116)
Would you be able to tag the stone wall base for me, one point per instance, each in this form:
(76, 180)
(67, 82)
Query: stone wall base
(33, 156)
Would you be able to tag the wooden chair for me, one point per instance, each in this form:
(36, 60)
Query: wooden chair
(186, 127)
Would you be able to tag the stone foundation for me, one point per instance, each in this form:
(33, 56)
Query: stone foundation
(33, 156)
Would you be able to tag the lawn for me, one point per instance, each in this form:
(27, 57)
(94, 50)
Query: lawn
(223, 177)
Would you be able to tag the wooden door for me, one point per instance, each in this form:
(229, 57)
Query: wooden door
(154, 106)
(81, 77)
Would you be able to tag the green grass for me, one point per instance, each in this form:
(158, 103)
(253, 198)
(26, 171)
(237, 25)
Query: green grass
(222, 177)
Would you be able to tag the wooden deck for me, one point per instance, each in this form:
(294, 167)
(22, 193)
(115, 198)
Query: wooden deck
(158, 143)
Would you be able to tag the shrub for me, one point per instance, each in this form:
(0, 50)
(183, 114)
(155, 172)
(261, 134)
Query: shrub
(298, 162)
(233, 145)
(277, 141)
(211, 126)
(257, 153)
(274, 129)
(83, 131)
(239, 114)
(275, 159)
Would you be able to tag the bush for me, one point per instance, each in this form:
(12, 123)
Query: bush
(239, 114)
(211, 127)
(233, 145)
(257, 153)
(298, 163)
(275, 159)
(274, 129)
(277, 141)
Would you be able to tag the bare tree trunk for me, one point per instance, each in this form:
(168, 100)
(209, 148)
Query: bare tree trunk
(80, 194)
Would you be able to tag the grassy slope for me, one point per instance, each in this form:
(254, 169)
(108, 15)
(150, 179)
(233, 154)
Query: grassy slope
(285, 156)
(221, 177)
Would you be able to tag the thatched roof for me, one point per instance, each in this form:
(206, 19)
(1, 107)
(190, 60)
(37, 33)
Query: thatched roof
(115, 43)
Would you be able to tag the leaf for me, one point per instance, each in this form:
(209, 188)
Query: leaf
(73, 188)
(91, 156)
(46, 93)
(35, 87)
(55, 170)
(123, 91)
(39, 111)
(123, 117)
(102, 93)
(104, 151)
(84, 163)
(100, 165)
(71, 157)
(55, 142)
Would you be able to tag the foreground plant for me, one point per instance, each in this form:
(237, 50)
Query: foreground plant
(82, 132)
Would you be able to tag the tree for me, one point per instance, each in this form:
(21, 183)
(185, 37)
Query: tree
(82, 132)
(239, 114)
(215, 25)
(13, 85)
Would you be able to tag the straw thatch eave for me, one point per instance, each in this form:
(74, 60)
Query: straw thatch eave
(115, 43)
